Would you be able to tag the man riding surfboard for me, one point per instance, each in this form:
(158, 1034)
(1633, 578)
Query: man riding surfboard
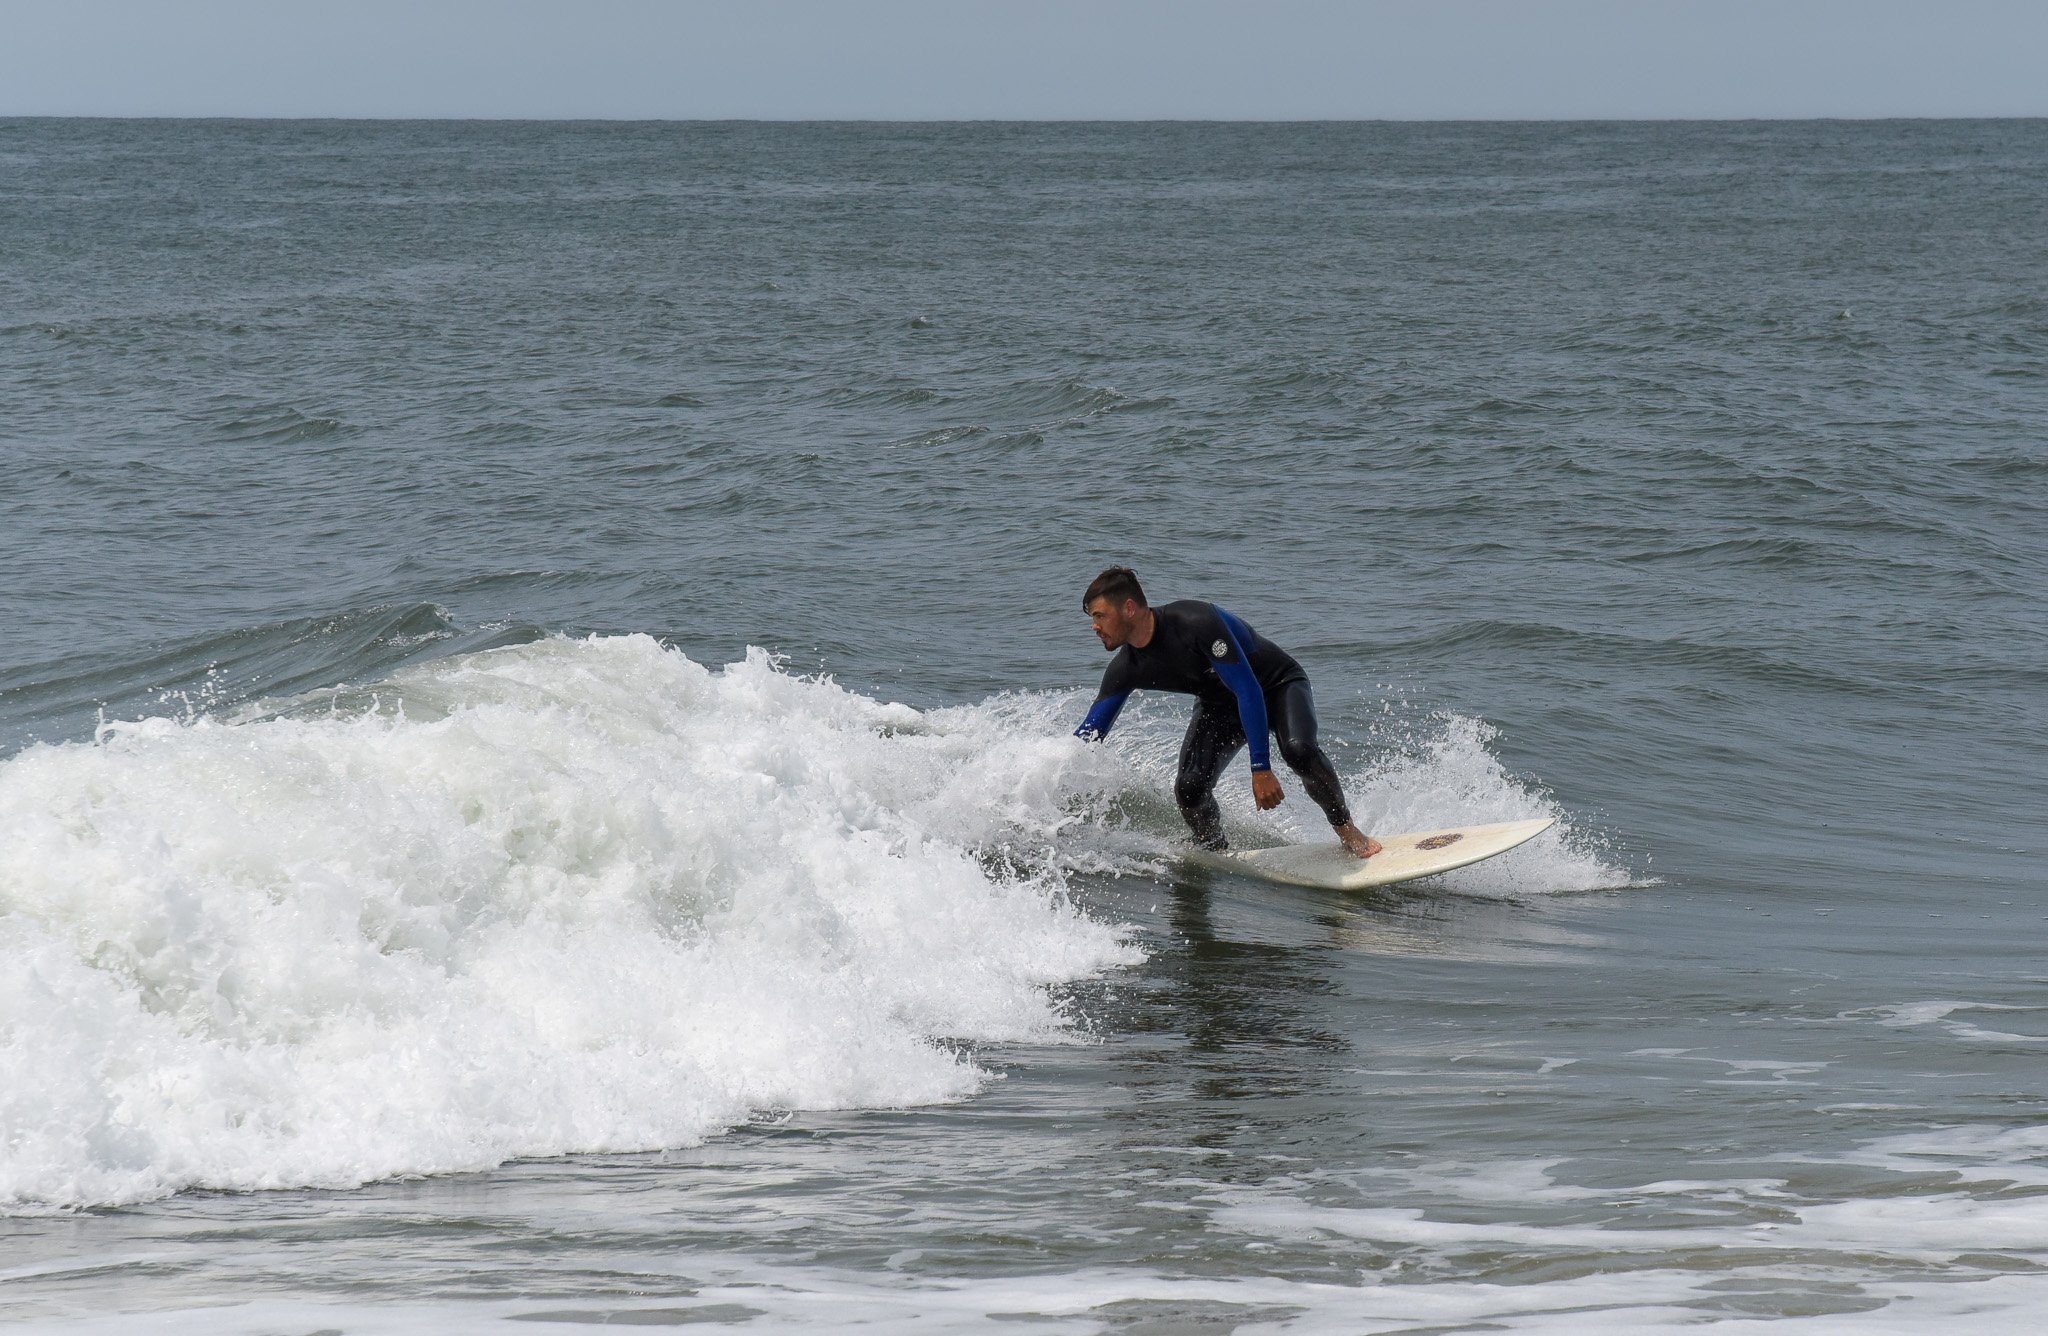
(1244, 687)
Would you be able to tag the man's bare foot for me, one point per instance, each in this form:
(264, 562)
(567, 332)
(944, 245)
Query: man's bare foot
(1357, 841)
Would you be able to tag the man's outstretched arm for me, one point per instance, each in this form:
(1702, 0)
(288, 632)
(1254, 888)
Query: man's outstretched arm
(1102, 717)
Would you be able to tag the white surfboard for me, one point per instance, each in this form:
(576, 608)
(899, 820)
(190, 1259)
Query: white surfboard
(1421, 853)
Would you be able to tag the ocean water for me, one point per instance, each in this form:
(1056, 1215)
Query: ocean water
(535, 782)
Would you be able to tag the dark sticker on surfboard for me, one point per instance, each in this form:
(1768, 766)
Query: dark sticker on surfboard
(1440, 841)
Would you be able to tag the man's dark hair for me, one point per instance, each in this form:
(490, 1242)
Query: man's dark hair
(1115, 584)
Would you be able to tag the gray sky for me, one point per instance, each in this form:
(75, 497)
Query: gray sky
(1027, 59)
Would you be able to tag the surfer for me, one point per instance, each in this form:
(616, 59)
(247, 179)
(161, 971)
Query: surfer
(1244, 687)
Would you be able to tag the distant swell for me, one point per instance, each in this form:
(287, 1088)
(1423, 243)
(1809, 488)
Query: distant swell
(55, 701)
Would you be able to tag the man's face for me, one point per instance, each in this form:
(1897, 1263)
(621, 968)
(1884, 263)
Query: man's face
(1113, 622)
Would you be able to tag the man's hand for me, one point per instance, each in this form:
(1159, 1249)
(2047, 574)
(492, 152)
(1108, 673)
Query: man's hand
(1266, 790)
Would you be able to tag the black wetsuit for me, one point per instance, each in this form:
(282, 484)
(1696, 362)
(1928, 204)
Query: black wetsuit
(1243, 686)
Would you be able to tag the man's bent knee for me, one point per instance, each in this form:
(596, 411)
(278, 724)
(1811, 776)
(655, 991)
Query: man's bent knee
(1300, 756)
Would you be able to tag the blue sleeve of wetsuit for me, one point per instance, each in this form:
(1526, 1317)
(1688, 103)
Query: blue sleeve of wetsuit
(1244, 684)
(1102, 717)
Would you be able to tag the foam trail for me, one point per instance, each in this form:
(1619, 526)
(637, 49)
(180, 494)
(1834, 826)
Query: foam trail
(571, 895)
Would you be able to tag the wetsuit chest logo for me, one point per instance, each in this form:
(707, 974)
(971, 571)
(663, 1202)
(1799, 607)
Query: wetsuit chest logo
(1220, 650)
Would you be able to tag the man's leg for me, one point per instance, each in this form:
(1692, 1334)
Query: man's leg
(1292, 713)
(1214, 736)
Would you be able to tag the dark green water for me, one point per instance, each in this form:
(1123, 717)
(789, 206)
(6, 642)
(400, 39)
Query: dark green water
(417, 950)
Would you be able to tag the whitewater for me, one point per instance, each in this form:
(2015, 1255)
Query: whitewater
(580, 895)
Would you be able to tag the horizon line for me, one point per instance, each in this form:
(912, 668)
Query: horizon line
(1029, 120)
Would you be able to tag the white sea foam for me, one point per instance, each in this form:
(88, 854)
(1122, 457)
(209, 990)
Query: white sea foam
(1818, 1254)
(570, 895)
(1910, 1014)
(1976, 1153)
(1925, 1229)
(1990, 1207)
(1452, 776)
